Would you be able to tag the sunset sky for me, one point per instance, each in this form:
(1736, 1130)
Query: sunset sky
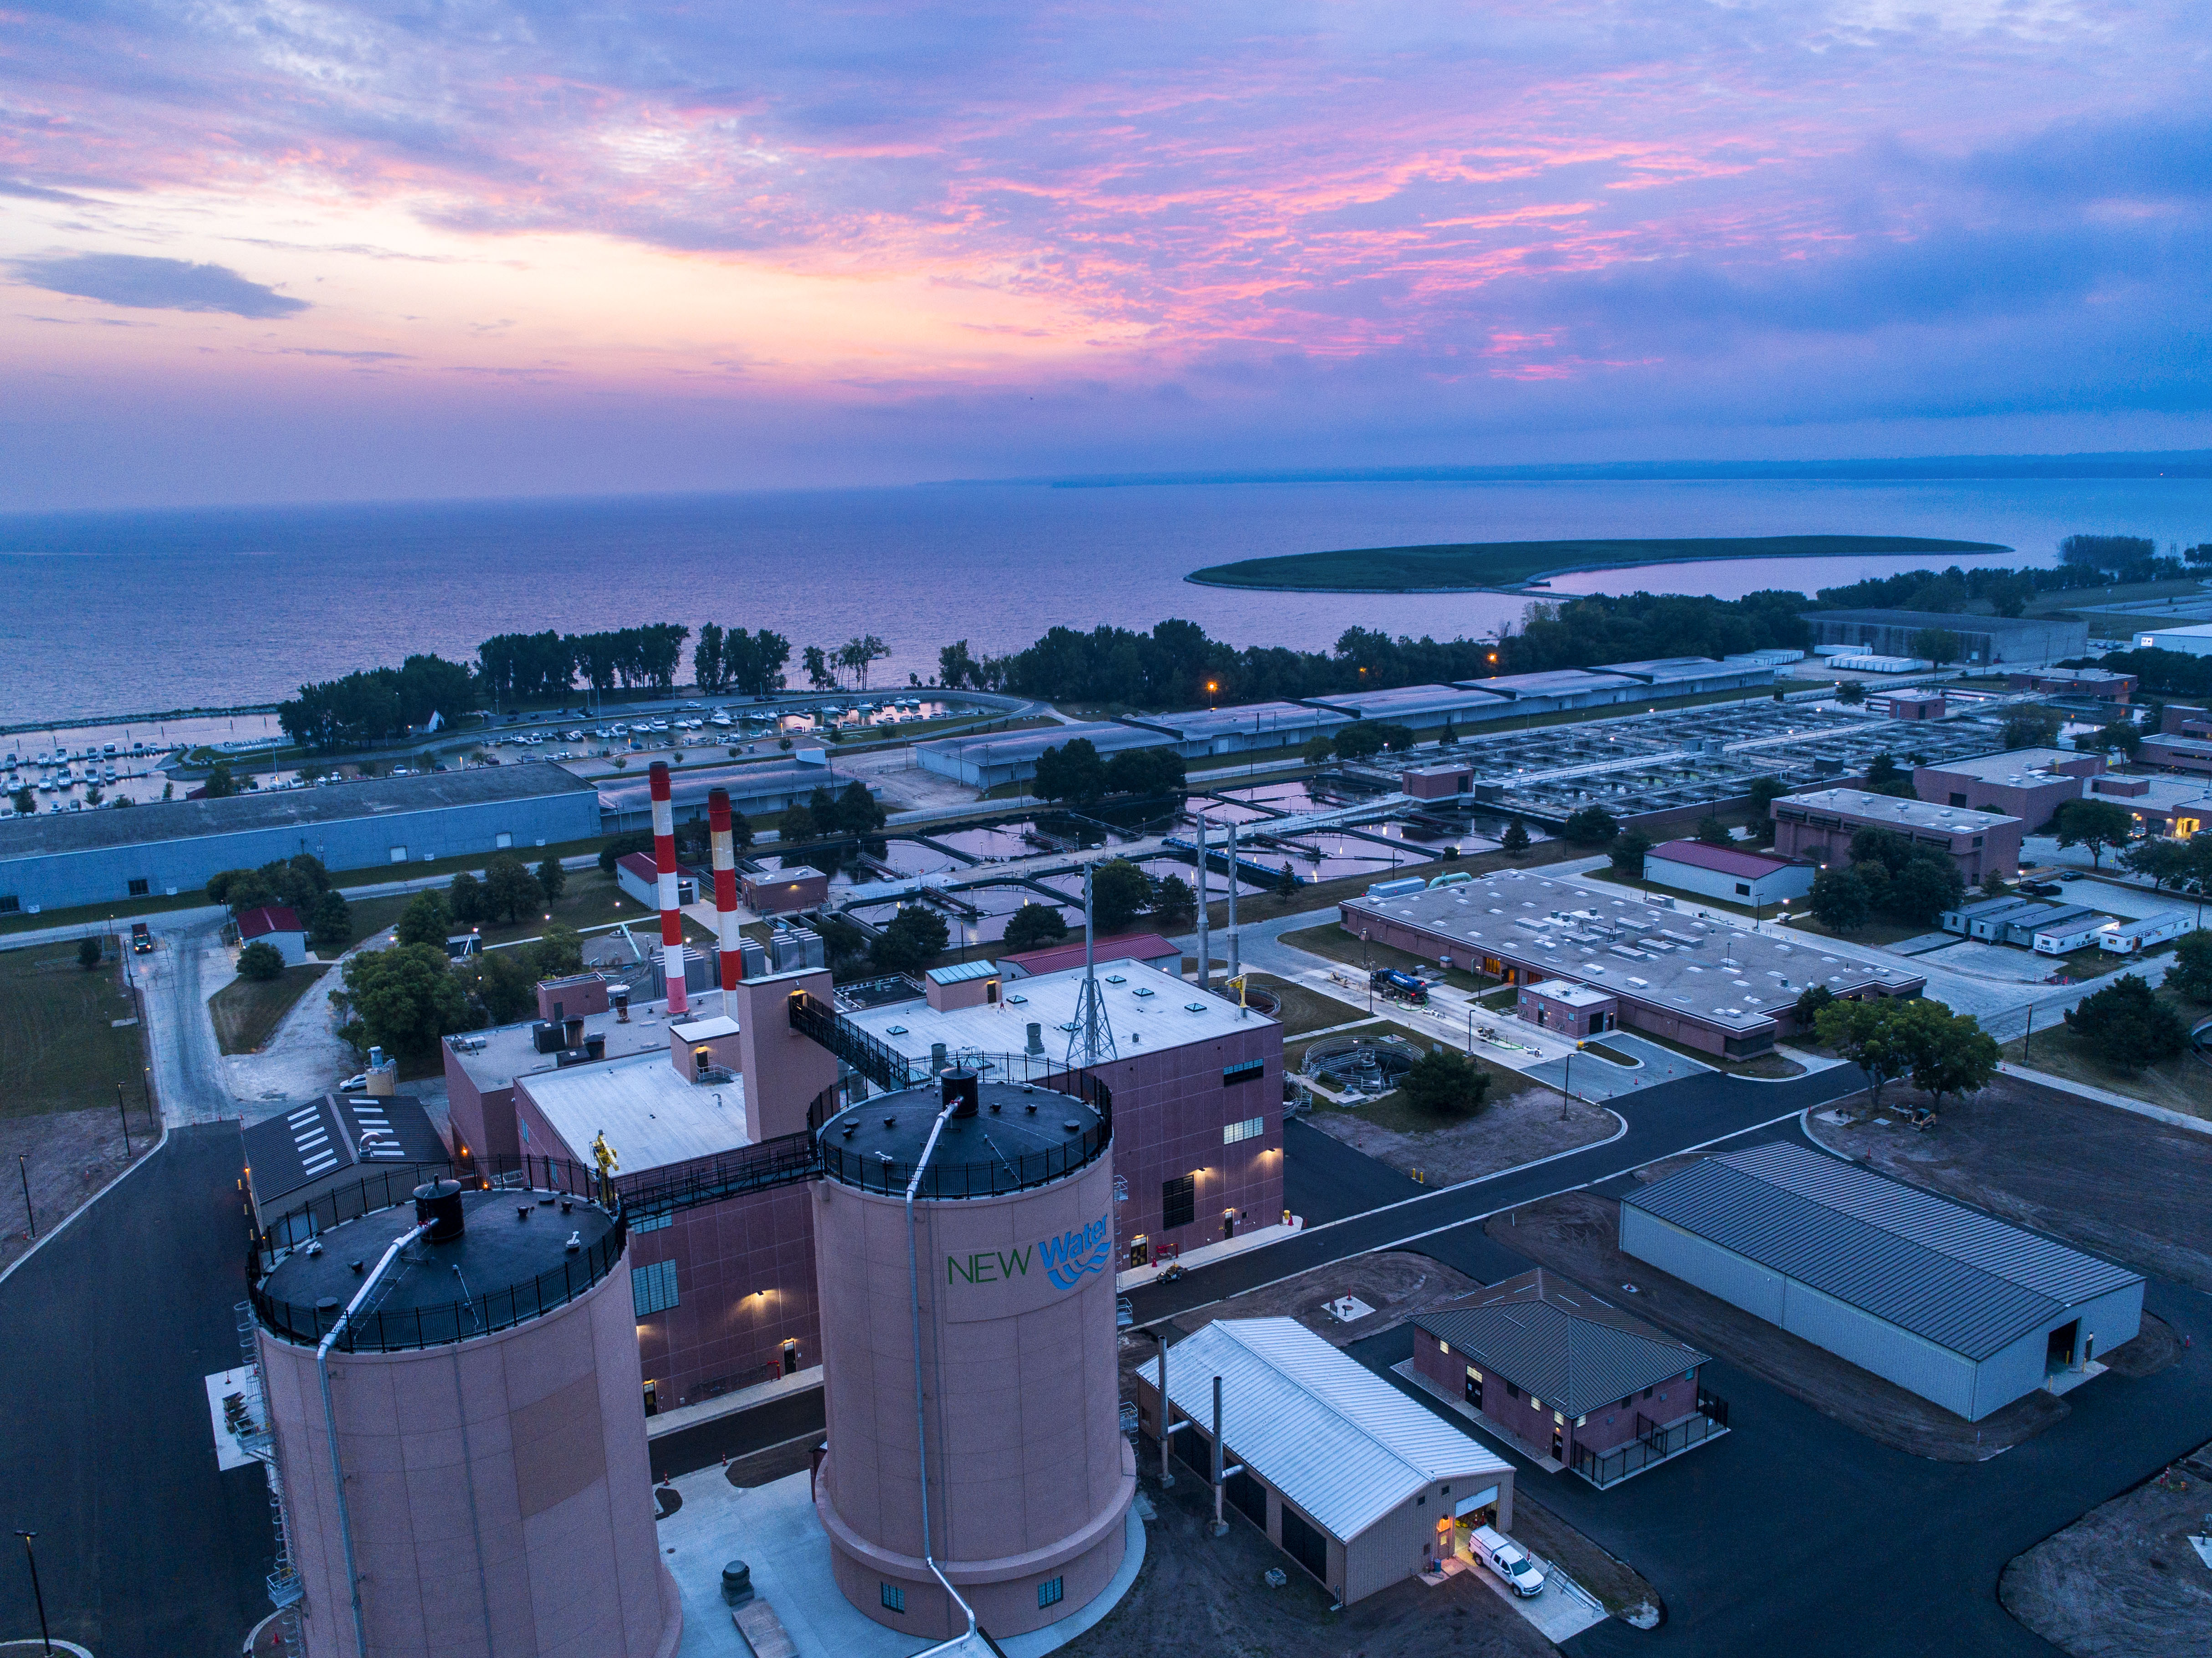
(260, 250)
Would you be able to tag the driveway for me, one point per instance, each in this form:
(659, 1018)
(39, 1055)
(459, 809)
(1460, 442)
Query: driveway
(145, 1549)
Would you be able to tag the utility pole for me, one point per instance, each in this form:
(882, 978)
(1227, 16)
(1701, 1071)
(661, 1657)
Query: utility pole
(1235, 967)
(30, 1555)
(122, 1111)
(23, 1169)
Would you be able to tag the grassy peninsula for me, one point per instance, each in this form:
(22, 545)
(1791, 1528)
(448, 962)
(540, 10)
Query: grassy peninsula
(1507, 564)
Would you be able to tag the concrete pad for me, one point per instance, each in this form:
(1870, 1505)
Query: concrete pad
(774, 1530)
(1597, 1079)
(2011, 962)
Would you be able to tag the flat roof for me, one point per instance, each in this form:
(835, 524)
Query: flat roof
(652, 1117)
(269, 808)
(1555, 682)
(1948, 623)
(1659, 670)
(1197, 723)
(2023, 764)
(1887, 809)
(1316, 1424)
(1966, 1281)
(1727, 860)
(1690, 968)
(1013, 748)
(1149, 1011)
(1568, 991)
(493, 1059)
(1575, 1351)
(2191, 630)
(1409, 699)
(690, 784)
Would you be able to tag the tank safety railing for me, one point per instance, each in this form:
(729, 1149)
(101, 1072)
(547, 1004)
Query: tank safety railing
(870, 1172)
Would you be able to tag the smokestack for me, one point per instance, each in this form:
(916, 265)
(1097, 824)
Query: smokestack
(1205, 950)
(726, 936)
(671, 916)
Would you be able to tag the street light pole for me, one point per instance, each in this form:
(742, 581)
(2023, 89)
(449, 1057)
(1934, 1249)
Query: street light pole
(122, 1111)
(37, 1596)
(23, 1169)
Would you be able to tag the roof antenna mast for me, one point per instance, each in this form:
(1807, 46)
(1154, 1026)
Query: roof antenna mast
(1090, 1033)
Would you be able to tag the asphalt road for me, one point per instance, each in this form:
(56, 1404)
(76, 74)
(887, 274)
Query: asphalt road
(145, 1550)
(1671, 1118)
(1794, 1528)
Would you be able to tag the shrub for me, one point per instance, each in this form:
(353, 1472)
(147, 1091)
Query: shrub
(261, 963)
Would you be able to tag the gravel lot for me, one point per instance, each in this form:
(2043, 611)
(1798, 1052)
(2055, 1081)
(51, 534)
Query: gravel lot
(2123, 1581)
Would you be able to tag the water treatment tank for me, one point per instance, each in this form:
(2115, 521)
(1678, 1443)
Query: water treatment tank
(483, 1410)
(1029, 1477)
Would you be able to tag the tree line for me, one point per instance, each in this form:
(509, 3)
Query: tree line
(1176, 666)
(2085, 561)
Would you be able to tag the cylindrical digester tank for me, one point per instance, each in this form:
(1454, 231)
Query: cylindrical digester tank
(1029, 1477)
(498, 1499)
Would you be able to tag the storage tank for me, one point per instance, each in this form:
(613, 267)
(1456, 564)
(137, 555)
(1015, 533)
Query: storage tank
(481, 1406)
(1006, 1274)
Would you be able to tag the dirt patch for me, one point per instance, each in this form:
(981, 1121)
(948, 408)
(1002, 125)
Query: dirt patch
(247, 1011)
(1505, 1133)
(2122, 1581)
(2051, 1162)
(69, 1157)
(1576, 1234)
(1201, 1593)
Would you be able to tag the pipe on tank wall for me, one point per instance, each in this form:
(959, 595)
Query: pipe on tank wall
(331, 1423)
(921, 1404)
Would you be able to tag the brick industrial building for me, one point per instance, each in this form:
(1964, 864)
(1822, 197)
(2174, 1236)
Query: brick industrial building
(1698, 982)
(2029, 784)
(1818, 827)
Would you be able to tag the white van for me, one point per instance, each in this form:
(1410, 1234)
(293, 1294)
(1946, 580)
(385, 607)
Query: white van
(1503, 1557)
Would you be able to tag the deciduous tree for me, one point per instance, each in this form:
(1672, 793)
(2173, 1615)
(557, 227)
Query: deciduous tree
(1034, 925)
(2126, 1026)
(1445, 1084)
(427, 920)
(260, 962)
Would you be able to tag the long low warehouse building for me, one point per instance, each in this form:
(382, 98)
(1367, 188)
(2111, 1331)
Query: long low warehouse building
(1686, 979)
(1239, 730)
(1947, 1302)
(59, 859)
(996, 758)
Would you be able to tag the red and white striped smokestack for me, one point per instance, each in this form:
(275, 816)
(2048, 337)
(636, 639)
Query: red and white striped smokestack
(671, 915)
(725, 893)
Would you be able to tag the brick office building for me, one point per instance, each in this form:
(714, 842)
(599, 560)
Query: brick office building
(1818, 827)
(2029, 784)
(1566, 1374)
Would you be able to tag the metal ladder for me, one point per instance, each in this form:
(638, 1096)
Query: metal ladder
(285, 1591)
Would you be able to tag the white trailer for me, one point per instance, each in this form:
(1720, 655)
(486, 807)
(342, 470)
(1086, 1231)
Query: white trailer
(2067, 936)
(2133, 937)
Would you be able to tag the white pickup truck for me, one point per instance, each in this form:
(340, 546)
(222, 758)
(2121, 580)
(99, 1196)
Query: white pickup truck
(1503, 1557)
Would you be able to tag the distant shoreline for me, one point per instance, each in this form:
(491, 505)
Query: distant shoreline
(1507, 567)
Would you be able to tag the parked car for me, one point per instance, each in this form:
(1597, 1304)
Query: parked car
(355, 1084)
(1504, 1557)
(142, 939)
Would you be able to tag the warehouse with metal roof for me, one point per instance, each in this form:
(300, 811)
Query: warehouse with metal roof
(1358, 1484)
(1950, 1303)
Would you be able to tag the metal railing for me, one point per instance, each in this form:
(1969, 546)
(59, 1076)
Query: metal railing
(1654, 1442)
(784, 1161)
(406, 1329)
(882, 1065)
(874, 1172)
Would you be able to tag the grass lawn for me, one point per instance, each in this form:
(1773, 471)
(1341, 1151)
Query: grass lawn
(1873, 933)
(590, 900)
(60, 1048)
(1303, 1009)
(2181, 1083)
(1392, 1111)
(246, 1012)
(1507, 563)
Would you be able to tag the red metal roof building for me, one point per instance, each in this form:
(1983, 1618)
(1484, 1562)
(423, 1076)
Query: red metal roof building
(1735, 875)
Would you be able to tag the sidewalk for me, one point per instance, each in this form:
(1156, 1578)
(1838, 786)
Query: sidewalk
(1259, 1237)
(729, 1404)
(2106, 1096)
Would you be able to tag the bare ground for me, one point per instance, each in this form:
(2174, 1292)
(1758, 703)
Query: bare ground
(1201, 1594)
(1400, 1284)
(69, 1157)
(2123, 1581)
(1517, 1129)
(1576, 1234)
(2126, 1188)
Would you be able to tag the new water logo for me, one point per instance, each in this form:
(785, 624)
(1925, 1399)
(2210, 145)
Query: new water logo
(1072, 1255)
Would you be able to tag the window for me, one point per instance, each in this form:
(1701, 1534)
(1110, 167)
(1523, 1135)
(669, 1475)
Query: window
(1178, 1200)
(1958, 799)
(1513, 1390)
(502, 840)
(399, 854)
(653, 1288)
(652, 1224)
(1049, 1591)
(1245, 1070)
(139, 888)
(894, 1597)
(1743, 889)
(9, 903)
(1250, 1129)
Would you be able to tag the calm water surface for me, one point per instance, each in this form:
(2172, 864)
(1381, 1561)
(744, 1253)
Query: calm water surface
(110, 613)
